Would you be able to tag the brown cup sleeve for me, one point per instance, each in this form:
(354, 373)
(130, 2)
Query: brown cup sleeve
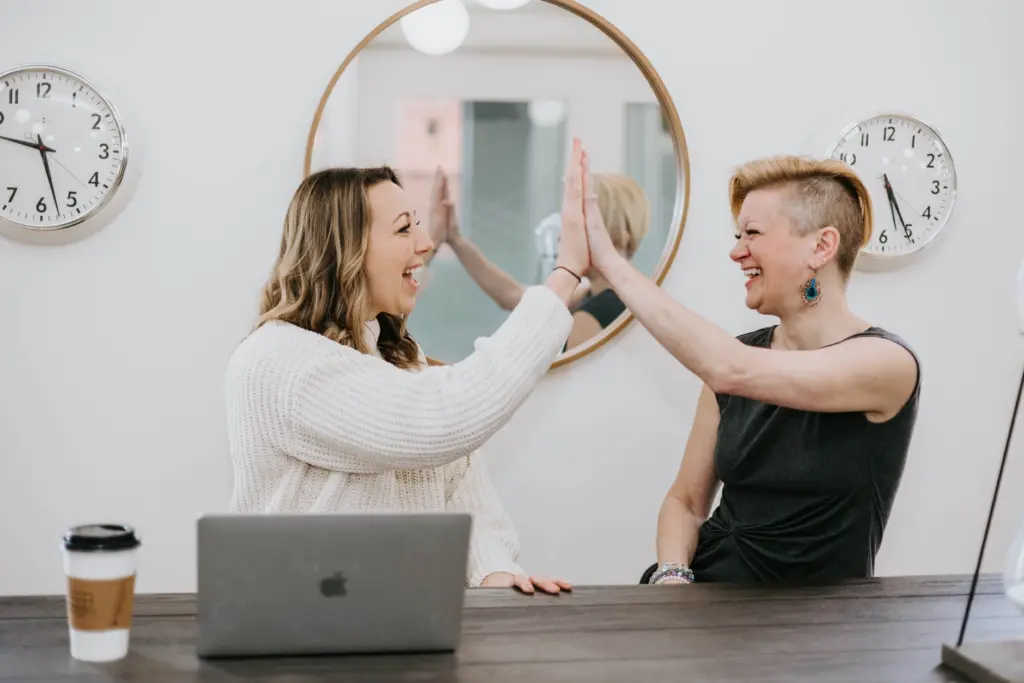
(100, 605)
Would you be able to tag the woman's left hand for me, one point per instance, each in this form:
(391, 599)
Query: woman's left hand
(602, 251)
(526, 584)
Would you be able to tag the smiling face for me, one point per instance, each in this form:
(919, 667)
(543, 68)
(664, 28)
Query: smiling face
(776, 260)
(396, 251)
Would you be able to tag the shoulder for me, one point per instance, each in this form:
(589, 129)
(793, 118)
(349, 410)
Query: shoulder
(760, 337)
(277, 354)
(605, 307)
(897, 353)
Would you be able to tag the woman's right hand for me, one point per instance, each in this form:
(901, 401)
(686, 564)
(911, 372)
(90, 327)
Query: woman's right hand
(574, 250)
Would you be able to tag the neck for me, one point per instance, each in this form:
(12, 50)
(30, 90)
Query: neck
(812, 327)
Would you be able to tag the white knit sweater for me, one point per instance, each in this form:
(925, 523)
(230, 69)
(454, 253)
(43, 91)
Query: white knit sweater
(314, 426)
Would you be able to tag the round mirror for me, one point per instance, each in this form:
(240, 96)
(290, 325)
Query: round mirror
(475, 103)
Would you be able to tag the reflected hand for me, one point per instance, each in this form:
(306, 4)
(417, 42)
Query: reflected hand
(437, 216)
(602, 249)
(573, 250)
(524, 583)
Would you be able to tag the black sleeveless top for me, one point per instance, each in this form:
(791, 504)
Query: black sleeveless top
(805, 495)
(605, 306)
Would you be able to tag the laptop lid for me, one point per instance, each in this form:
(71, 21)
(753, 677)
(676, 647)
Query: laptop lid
(329, 584)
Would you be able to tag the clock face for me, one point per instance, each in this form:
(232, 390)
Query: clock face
(910, 176)
(63, 151)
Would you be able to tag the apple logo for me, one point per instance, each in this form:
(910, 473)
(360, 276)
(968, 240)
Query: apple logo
(333, 586)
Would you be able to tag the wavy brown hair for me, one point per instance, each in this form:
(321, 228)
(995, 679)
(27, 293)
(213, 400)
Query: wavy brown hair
(318, 281)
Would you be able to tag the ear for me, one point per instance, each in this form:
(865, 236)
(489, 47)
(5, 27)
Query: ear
(826, 247)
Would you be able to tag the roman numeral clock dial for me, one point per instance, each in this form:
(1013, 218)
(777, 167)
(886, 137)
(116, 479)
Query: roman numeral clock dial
(63, 150)
(911, 178)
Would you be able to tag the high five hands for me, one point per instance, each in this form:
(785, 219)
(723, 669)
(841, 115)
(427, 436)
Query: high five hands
(585, 242)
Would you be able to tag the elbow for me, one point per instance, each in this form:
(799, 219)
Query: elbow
(727, 376)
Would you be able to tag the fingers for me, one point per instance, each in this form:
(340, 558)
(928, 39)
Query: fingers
(587, 183)
(523, 583)
(564, 585)
(546, 585)
(573, 190)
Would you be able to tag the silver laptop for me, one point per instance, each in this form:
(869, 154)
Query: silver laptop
(330, 584)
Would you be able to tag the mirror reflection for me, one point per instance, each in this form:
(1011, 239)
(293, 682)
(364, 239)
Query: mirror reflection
(475, 109)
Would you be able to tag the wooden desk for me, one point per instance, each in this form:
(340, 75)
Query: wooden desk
(882, 630)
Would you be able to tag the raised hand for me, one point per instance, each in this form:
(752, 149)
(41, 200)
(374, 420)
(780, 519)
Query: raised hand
(573, 250)
(437, 215)
(602, 250)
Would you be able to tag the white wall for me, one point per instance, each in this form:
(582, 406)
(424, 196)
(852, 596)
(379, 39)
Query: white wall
(111, 350)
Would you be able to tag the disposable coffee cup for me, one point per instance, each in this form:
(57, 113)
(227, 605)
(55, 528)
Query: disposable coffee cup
(99, 563)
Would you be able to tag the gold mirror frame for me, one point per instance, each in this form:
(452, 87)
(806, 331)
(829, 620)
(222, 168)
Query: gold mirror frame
(668, 110)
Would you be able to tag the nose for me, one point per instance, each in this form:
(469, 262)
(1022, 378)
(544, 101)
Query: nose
(739, 251)
(424, 245)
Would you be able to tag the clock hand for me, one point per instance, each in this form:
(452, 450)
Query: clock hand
(49, 176)
(904, 200)
(70, 173)
(33, 145)
(888, 192)
(895, 204)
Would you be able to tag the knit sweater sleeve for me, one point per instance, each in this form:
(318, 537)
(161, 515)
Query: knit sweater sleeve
(356, 413)
(493, 541)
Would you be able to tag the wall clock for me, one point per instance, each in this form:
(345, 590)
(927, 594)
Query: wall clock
(63, 151)
(910, 174)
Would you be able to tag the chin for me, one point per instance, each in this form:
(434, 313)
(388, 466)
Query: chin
(405, 307)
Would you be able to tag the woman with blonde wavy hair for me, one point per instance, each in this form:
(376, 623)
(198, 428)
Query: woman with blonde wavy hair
(804, 425)
(330, 404)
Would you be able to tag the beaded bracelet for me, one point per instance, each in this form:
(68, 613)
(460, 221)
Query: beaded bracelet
(672, 571)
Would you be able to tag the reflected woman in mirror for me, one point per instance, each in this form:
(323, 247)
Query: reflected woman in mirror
(626, 212)
(331, 406)
(804, 425)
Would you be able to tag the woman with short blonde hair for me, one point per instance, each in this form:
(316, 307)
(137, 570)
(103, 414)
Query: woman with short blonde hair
(805, 425)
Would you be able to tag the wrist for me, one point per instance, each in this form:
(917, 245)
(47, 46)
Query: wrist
(672, 571)
(613, 267)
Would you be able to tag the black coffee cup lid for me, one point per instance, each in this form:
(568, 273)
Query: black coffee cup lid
(89, 537)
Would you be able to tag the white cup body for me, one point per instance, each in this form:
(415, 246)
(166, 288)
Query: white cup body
(92, 644)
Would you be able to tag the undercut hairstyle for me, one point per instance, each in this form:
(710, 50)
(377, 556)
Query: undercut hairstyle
(821, 193)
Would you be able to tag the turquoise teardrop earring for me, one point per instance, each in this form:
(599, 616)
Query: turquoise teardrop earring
(811, 291)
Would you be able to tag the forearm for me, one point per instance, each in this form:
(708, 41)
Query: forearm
(678, 530)
(707, 350)
(495, 282)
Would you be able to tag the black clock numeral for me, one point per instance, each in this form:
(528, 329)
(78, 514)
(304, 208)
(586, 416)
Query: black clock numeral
(13, 96)
(105, 154)
(72, 200)
(14, 193)
(96, 123)
(41, 205)
(883, 238)
(74, 100)
(931, 160)
(927, 212)
(889, 134)
(935, 187)
(1, 117)
(43, 90)
(913, 139)
(849, 158)
(865, 138)
(908, 233)
(95, 179)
